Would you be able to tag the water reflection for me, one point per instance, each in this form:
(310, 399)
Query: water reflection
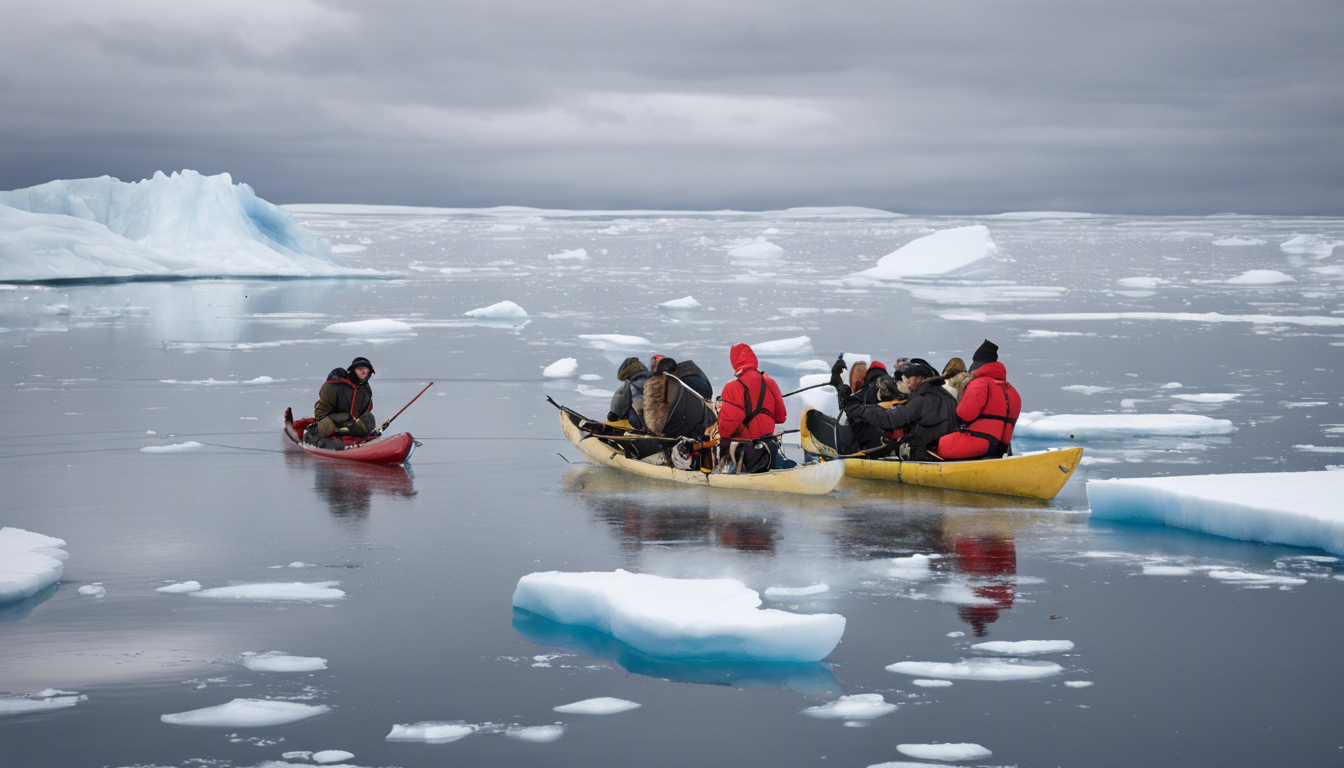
(811, 678)
(990, 564)
(20, 609)
(349, 488)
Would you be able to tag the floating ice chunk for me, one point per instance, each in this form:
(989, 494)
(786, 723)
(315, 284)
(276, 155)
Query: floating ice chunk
(38, 702)
(190, 445)
(960, 593)
(1166, 570)
(944, 751)
(1314, 321)
(29, 562)
(275, 661)
(590, 377)
(926, 683)
(761, 248)
(93, 590)
(300, 564)
(821, 398)
(378, 327)
(1172, 385)
(1298, 508)
(978, 669)
(1118, 426)
(717, 619)
(912, 568)
(431, 732)
(296, 590)
(603, 705)
(347, 248)
(940, 253)
(587, 391)
(1078, 683)
(1141, 282)
(1208, 397)
(786, 593)
(956, 634)
(1236, 240)
(247, 713)
(798, 346)
(260, 380)
(332, 756)
(686, 302)
(1024, 647)
(1319, 448)
(1040, 334)
(504, 310)
(901, 764)
(1086, 389)
(1310, 245)
(1248, 577)
(181, 588)
(578, 254)
(1261, 277)
(564, 368)
(539, 734)
(616, 341)
(861, 706)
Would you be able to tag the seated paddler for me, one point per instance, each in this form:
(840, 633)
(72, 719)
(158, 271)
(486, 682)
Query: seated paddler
(672, 407)
(627, 403)
(344, 407)
(929, 414)
(750, 409)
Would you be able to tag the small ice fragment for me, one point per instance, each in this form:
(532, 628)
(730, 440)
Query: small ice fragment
(956, 634)
(19, 705)
(181, 587)
(297, 755)
(1261, 277)
(784, 593)
(1236, 240)
(297, 590)
(686, 302)
(1207, 397)
(978, 669)
(301, 564)
(1086, 389)
(504, 310)
(190, 445)
(862, 706)
(150, 432)
(1247, 577)
(1078, 683)
(578, 254)
(93, 590)
(430, 732)
(944, 751)
(590, 377)
(1141, 282)
(332, 756)
(603, 705)
(539, 734)
(247, 713)
(912, 568)
(1166, 570)
(377, 327)
(564, 368)
(1024, 647)
(275, 661)
(1172, 385)
(260, 380)
(926, 683)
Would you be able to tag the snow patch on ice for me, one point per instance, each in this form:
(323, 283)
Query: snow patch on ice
(247, 713)
(190, 445)
(29, 562)
(861, 706)
(275, 661)
(603, 705)
(964, 751)
(564, 368)
(377, 327)
(1024, 647)
(978, 669)
(940, 253)
(296, 590)
(503, 310)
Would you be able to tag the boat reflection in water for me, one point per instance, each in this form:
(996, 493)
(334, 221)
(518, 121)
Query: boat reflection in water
(812, 678)
(349, 488)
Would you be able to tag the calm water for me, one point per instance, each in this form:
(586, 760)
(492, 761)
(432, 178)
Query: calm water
(1185, 670)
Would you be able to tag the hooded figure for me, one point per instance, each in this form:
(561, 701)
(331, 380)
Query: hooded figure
(628, 401)
(671, 408)
(344, 405)
(989, 409)
(751, 407)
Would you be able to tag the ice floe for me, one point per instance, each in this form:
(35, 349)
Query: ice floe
(616, 342)
(578, 254)
(1118, 426)
(978, 669)
(564, 368)
(1297, 508)
(1208, 397)
(247, 713)
(914, 567)
(926, 683)
(275, 661)
(539, 734)
(1260, 277)
(940, 253)
(39, 702)
(1141, 282)
(964, 751)
(760, 248)
(1310, 245)
(798, 346)
(1024, 647)
(431, 732)
(602, 705)
(190, 445)
(183, 225)
(503, 310)
(1236, 240)
(1078, 683)
(328, 756)
(1085, 389)
(1188, 317)
(296, 590)
(1250, 577)
(93, 590)
(712, 619)
(788, 593)
(686, 302)
(29, 562)
(377, 327)
(861, 706)
(180, 588)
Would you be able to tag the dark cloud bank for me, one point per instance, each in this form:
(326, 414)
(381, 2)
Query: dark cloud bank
(1194, 106)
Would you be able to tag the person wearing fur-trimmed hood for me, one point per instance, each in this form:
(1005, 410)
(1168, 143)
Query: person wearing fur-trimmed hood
(344, 406)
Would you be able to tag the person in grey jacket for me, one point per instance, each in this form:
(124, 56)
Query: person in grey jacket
(628, 401)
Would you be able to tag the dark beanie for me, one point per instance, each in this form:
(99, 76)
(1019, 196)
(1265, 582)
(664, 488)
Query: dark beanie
(987, 353)
(629, 367)
(358, 361)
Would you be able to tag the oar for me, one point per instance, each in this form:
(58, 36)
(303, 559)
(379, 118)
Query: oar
(404, 407)
(804, 389)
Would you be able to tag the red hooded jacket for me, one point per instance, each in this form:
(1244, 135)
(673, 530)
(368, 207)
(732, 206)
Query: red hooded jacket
(990, 404)
(741, 395)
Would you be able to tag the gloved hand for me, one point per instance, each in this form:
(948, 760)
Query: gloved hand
(843, 394)
(836, 370)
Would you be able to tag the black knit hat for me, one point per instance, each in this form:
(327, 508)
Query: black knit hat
(987, 353)
(358, 361)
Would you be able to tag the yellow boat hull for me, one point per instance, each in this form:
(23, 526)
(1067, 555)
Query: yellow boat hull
(810, 479)
(1040, 475)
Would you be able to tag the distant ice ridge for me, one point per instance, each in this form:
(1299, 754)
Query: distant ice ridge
(1297, 508)
(29, 562)
(39, 702)
(183, 225)
(712, 619)
(1118, 426)
(564, 368)
(946, 251)
(247, 713)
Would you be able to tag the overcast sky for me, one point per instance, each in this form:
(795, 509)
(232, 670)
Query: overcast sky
(923, 106)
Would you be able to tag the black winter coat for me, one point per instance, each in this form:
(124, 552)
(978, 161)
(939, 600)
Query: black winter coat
(929, 414)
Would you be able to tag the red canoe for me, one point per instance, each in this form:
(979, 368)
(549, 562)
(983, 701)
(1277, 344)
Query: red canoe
(392, 449)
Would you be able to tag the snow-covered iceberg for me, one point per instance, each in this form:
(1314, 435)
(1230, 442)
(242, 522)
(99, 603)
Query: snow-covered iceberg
(945, 251)
(1297, 508)
(183, 225)
(29, 562)
(708, 619)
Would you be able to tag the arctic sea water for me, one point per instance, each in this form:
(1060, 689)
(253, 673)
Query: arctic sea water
(368, 611)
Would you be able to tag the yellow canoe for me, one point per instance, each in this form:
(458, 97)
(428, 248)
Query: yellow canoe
(1038, 475)
(811, 479)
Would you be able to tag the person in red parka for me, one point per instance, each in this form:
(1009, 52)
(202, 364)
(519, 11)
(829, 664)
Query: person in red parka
(989, 408)
(750, 409)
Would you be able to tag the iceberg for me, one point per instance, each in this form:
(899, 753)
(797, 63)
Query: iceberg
(274, 661)
(798, 346)
(705, 619)
(247, 713)
(940, 253)
(183, 225)
(503, 310)
(686, 302)
(29, 562)
(759, 249)
(564, 368)
(1297, 508)
(1118, 426)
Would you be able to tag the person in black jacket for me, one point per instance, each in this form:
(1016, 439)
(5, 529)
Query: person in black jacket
(344, 406)
(628, 401)
(929, 414)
